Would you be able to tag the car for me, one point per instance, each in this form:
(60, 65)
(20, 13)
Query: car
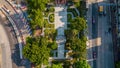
(104, 13)
(8, 11)
(23, 7)
(94, 55)
(93, 20)
(87, 42)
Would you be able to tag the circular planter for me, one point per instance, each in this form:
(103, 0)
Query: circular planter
(51, 18)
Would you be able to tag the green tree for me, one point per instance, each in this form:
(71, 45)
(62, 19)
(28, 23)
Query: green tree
(35, 12)
(37, 19)
(53, 45)
(56, 66)
(37, 4)
(81, 64)
(36, 50)
(78, 24)
(117, 64)
(71, 33)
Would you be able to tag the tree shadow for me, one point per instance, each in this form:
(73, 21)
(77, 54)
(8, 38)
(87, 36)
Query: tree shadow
(17, 60)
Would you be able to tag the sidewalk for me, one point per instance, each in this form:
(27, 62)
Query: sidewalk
(60, 25)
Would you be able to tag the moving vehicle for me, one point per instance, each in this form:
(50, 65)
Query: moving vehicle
(93, 19)
(94, 55)
(102, 10)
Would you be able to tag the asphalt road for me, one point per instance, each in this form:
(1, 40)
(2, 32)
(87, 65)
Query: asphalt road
(104, 51)
(94, 29)
(98, 28)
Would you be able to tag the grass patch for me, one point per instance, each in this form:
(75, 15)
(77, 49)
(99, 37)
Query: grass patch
(47, 25)
(51, 18)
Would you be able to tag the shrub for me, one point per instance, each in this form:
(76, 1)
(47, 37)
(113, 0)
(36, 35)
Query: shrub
(73, 11)
(69, 17)
(47, 25)
(51, 9)
(46, 14)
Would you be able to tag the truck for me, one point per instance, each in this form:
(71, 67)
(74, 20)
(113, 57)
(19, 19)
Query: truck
(102, 10)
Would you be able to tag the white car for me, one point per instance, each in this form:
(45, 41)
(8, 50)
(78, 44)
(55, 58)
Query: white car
(87, 42)
(8, 11)
(93, 20)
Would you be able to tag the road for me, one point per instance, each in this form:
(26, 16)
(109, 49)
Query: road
(105, 57)
(101, 39)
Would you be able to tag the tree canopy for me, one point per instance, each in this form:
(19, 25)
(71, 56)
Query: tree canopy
(117, 64)
(76, 39)
(36, 51)
(81, 64)
(35, 12)
(78, 23)
(56, 66)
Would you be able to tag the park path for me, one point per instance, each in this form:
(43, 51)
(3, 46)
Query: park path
(61, 25)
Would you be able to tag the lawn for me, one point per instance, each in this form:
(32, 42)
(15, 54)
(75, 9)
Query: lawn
(47, 25)
(51, 18)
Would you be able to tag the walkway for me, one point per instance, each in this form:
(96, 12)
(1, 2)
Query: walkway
(60, 25)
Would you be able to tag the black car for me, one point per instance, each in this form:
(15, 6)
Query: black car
(94, 55)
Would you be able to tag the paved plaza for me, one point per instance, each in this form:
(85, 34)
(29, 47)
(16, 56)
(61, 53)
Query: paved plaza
(60, 25)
